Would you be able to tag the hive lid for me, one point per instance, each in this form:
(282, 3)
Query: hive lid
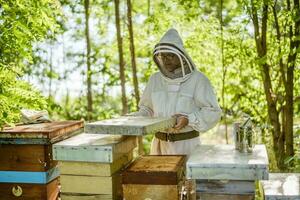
(45, 132)
(129, 125)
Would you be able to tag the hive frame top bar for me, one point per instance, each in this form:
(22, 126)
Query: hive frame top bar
(130, 125)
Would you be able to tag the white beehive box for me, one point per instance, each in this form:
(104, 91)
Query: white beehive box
(281, 186)
(93, 148)
(223, 162)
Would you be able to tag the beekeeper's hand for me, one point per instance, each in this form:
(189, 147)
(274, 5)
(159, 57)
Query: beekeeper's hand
(181, 121)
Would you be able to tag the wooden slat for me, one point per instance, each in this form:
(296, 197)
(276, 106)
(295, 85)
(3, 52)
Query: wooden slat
(228, 173)
(142, 192)
(160, 170)
(94, 169)
(30, 191)
(29, 177)
(93, 148)
(90, 184)
(207, 196)
(130, 125)
(49, 130)
(226, 187)
(26, 158)
(72, 196)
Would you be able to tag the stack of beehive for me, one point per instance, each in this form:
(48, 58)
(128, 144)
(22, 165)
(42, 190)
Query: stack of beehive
(27, 170)
(223, 173)
(91, 163)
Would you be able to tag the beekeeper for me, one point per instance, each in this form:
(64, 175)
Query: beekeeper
(181, 91)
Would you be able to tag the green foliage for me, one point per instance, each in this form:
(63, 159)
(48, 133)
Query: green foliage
(21, 24)
(76, 109)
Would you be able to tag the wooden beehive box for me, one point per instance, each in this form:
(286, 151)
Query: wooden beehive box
(154, 177)
(27, 170)
(223, 162)
(16, 191)
(281, 186)
(130, 125)
(29, 147)
(221, 172)
(90, 165)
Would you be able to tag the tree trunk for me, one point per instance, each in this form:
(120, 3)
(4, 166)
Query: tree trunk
(132, 53)
(51, 71)
(134, 71)
(261, 47)
(88, 60)
(149, 53)
(121, 60)
(224, 71)
(294, 45)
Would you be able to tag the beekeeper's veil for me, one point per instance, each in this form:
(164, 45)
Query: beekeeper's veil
(172, 43)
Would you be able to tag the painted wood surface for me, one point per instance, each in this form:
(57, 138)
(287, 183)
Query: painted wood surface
(45, 141)
(94, 169)
(160, 170)
(10, 191)
(142, 192)
(206, 196)
(91, 184)
(282, 186)
(72, 196)
(93, 148)
(53, 131)
(36, 158)
(130, 125)
(223, 162)
(225, 187)
(29, 177)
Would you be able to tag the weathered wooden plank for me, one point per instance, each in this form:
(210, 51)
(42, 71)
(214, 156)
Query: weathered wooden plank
(225, 187)
(93, 148)
(16, 191)
(52, 130)
(227, 173)
(207, 196)
(282, 186)
(223, 162)
(90, 185)
(157, 170)
(29, 177)
(94, 169)
(72, 196)
(142, 192)
(45, 141)
(130, 125)
(19, 141)
(36, 158)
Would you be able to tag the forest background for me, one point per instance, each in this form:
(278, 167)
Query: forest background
(91, 59)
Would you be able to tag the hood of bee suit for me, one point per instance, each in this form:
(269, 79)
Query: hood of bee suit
(171, 42)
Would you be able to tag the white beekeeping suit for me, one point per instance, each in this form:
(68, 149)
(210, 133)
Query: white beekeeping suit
(184, 91)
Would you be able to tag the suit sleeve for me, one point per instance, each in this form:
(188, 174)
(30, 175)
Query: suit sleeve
(208, 111)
